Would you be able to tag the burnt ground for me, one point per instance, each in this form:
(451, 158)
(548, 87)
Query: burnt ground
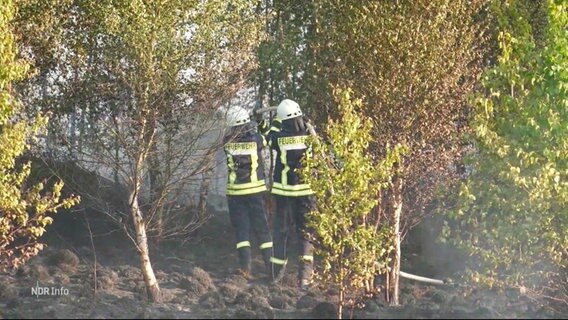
(197, 281)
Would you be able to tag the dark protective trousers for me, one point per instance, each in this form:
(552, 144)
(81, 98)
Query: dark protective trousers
(293, 210)
(248, 212)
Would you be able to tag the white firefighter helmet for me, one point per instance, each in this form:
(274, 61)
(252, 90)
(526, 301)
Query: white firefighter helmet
(288, 109)
(237, 116)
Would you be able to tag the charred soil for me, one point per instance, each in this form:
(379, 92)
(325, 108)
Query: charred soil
(197, 280)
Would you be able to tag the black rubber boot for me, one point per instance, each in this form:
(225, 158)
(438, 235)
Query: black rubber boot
(278, 271)
(266, 254)
(245, 260)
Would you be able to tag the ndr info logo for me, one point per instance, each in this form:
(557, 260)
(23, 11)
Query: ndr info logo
(48, 291)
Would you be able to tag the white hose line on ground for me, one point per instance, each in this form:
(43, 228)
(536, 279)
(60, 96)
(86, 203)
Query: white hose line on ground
(407, 275)
(419, 278)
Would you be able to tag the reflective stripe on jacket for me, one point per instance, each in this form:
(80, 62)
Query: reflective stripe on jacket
(290, 148)
(245, 164)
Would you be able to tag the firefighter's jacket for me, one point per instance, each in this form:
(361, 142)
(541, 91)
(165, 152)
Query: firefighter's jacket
(245, 164)
(290, 147)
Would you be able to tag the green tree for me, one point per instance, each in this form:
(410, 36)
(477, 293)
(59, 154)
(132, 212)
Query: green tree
(24, 210)
(412, 63)
(144, 78)
(513, 213)
(352, 246)
(282, 55)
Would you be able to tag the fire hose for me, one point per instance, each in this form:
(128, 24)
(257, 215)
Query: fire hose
(420, 278)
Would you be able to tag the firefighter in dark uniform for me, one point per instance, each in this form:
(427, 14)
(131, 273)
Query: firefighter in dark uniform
(293, 198)
(246, 188)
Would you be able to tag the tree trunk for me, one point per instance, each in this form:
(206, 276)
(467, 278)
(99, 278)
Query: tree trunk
(341, 299)
(116, 147)
(395, 269)
(71, 133)
(204, 193)
(269, 204)
(156, 193)
(341, 287)
(152, 287)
